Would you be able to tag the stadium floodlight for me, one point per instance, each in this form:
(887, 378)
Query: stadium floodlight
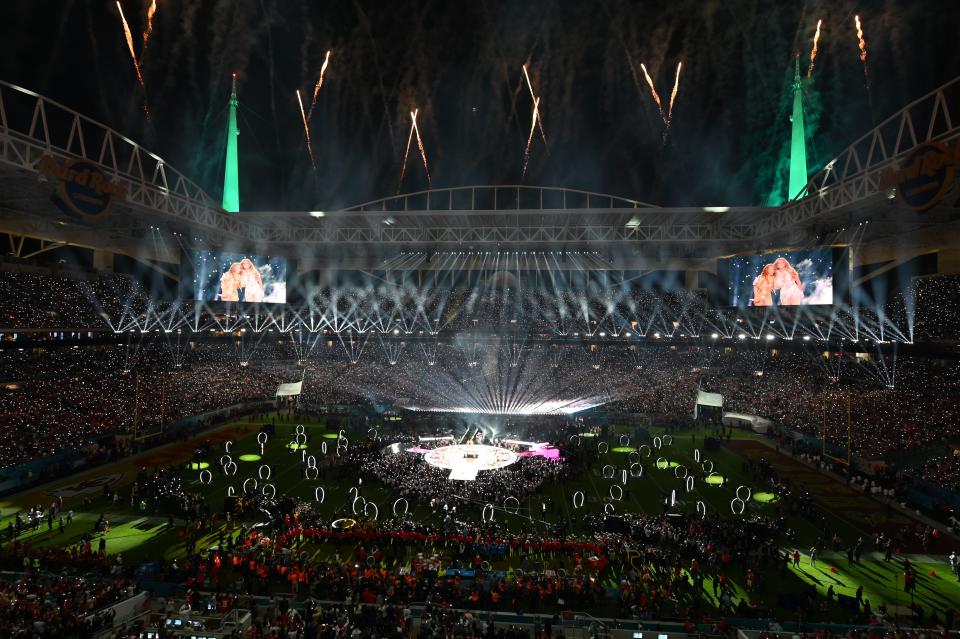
(806, 338)
(742, 336)
(317, 214)
(714, 336)
(770, 336)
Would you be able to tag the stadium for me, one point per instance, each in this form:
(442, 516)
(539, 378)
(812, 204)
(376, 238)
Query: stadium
(243, 399)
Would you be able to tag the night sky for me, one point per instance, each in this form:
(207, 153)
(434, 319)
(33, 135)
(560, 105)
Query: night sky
(460, 64)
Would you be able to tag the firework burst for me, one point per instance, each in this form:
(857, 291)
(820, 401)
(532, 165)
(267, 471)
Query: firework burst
(537, 115)
(306, 131)
(653, 92)
(861, 41)
(316, 89)
(533, 128)
(151, 11)
(813, 52)
(423, 154)
(129, 37)
(673, 94)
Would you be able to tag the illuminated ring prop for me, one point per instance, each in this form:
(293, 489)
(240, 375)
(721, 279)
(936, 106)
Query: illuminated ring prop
(696, 454)
(247, 481)
(261, 450)
(341, 433)
(640, 450)
(273, 491)
(673, 497)
(624, 440)
(319, 494)
(227, 445)
(619, 493)
(227, 457)
(676, 472)
(344, 440)
(702, 509)
(406, 507)
(373, 431)
(353, 506)
(303, 456)
(339, 454)
(260, 471)
(561, 573)
(300, 439)
(623, 476)
(575, 495)
(657, 442)
(323, 447)
(630, 457)
(602, 448)
(227, 467)
(574, 439)
(261, 438)
(612, 472)
(636, 470)
(485, 566)
(371, 561)
(668, 440)
(299, 429)
(376, 510)
(723, 480)
(513, 500)
(733, 507)
(689, 483)
(704, 465)
(353, 490)
(209, 476)
(749, 493)
(662, 463)
(487, 509)
(311, 461)
(230, 491)
(316, 472)
(609, 509)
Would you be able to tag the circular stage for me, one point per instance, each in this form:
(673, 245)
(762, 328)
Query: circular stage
(465, 460)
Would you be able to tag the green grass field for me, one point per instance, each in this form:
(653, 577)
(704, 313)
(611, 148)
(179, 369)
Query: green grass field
(142, 536)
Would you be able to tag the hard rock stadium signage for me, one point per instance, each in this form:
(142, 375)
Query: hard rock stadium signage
(925, 176)
(84, 190)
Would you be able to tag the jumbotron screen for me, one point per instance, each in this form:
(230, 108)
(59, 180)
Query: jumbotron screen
(239, 277)
(797, 278)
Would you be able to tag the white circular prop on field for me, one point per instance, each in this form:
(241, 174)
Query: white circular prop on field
(579, 494)
(376, 510)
